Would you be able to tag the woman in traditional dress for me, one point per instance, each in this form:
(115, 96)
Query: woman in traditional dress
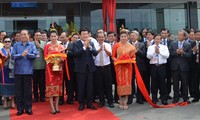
(123, 53)
(7, 81)
(54, 73)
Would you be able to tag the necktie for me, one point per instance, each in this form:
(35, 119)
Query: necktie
(180, 44)
(101, 59)
(157, 57)
(133, 43)
(164, 42)
(112, 43)
(197, 55)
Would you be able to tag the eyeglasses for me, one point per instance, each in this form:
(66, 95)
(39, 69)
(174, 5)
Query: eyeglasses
(7, 41)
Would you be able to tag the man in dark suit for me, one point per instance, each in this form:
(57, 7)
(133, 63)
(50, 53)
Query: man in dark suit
(180, 54)
(84, 51)
(141, 63)
(196, 52)
(149, 41)
(190, 39)
(143, 35)
(69, 84)
(112, 41)
(164, 32)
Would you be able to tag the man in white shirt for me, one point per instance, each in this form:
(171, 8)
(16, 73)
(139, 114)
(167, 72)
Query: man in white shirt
(103, 73)
(158, 55)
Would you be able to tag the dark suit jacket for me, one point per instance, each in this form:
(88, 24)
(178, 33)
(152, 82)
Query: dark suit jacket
(141, 40)
(70, 54)
(193, 57)
(199, 58)
(169, 58)
(141, 56)
(169, 42)
(84, 58)
(181, 61)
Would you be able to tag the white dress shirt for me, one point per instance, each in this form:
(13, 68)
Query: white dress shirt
(162, 56)
(106, 58)
(66, 44)
(94, 41)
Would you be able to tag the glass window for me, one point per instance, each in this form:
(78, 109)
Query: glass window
(96, 20)
(198, 11)
(175, 18)
(13, 24)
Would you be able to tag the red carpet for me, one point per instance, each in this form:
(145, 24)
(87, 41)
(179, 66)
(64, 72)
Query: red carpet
(41, 111)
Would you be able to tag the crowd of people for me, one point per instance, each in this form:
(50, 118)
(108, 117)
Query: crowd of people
(84, 67)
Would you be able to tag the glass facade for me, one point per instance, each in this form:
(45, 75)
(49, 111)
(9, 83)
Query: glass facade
(155, 16)
(15, 19)
(198, 12)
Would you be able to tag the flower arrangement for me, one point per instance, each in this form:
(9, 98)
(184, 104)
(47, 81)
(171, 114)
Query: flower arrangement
(71, 29)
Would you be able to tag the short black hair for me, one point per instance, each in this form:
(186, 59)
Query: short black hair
(84, 29)
(111, 32)
(164, 29)
(187, 30)
(197, 31)
(2, 31)
(5, 37)
(136, 29)
(156, 35)
(151, 32)
(36, 32)
(44, 32)
(15, 33)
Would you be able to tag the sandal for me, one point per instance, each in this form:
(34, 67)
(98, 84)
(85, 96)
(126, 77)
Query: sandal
(125, 105)
(120, 104)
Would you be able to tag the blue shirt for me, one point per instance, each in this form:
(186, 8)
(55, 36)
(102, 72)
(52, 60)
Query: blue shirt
(23, 64)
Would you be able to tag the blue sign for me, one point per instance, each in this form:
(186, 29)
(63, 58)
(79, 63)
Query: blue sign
(24, 4)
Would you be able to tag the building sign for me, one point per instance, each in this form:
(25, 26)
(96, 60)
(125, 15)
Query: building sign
(24, 4)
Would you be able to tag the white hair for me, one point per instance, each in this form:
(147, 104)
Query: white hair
(136, 32)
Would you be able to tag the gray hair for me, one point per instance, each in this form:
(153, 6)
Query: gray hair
(184, 32)
(136, 32)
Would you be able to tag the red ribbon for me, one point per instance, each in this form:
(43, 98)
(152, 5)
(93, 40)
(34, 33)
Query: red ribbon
(49, 72)
(143, 90)
(67, 70)
(2, 71)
